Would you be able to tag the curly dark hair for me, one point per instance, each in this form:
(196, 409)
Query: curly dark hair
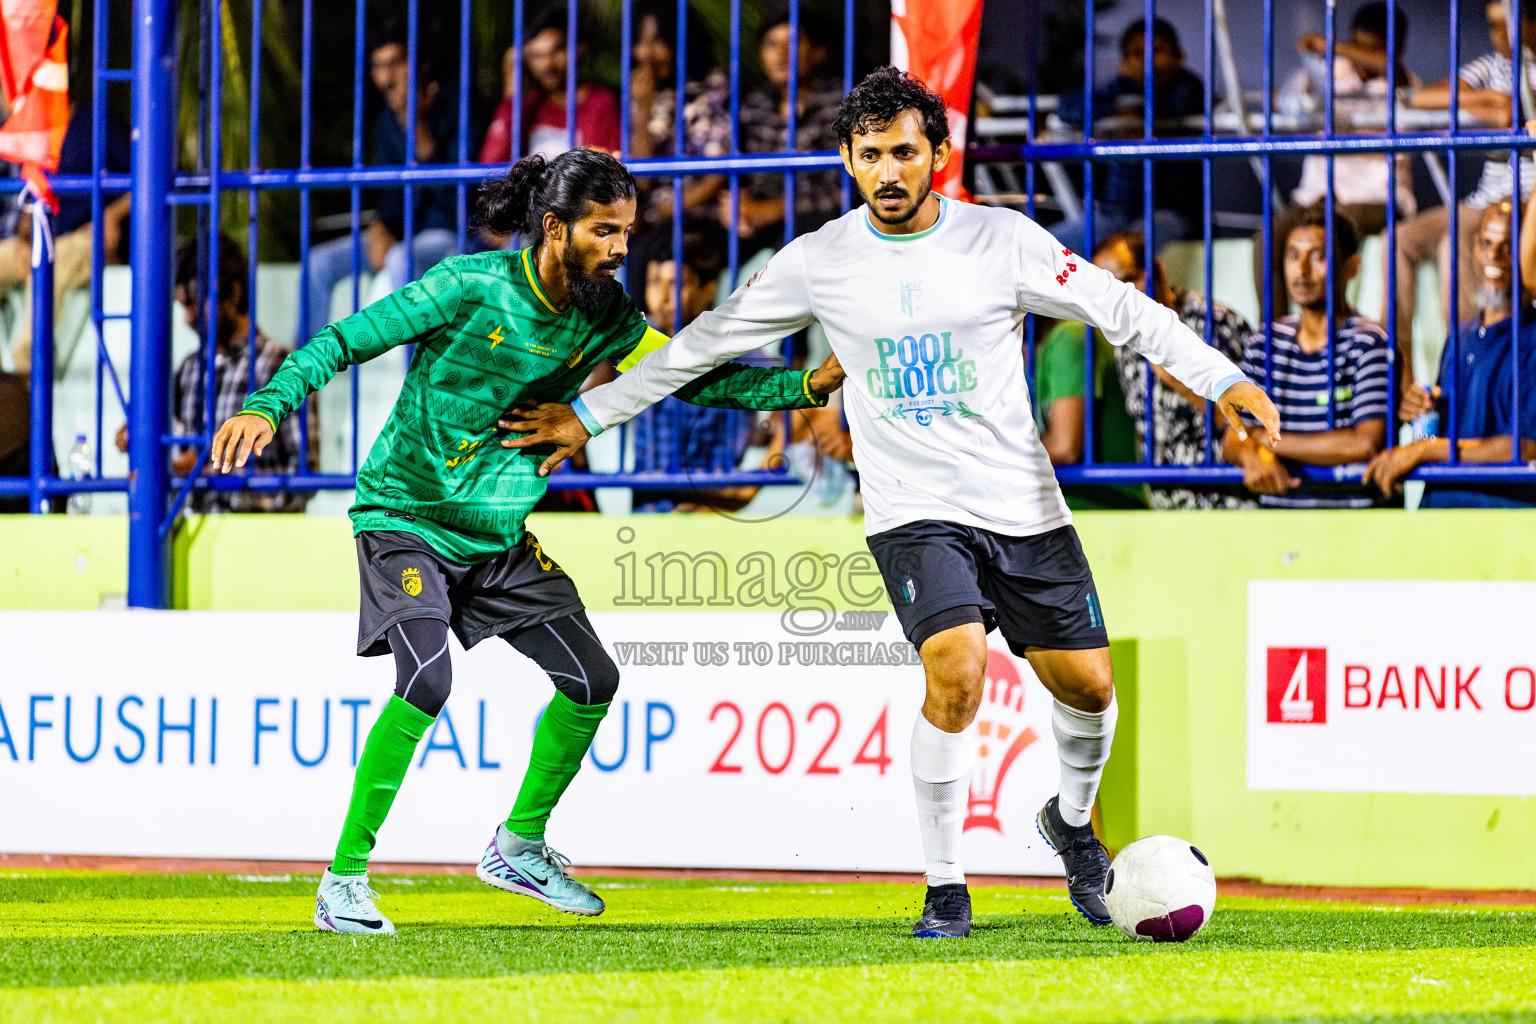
(877, 101)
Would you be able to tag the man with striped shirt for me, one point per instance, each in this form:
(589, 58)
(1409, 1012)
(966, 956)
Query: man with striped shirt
(1299, 378)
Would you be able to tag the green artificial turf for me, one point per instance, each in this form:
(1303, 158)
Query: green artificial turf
(83, 947)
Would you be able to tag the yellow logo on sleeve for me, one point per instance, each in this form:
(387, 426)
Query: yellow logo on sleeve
(410, 581)
(496, 336)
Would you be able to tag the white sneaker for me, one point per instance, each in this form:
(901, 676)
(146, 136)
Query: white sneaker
(345, 904)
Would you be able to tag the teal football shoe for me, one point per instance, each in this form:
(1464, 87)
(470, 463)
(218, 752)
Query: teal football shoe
(532, 868)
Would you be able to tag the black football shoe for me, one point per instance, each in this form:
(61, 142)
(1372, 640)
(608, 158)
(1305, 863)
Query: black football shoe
(946, 913)
(1083, 857)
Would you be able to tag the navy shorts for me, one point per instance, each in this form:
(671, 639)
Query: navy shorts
(403, 577)
(1038, 591)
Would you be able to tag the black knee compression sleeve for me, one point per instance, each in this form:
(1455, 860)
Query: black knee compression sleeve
(423, 674)
(568, 649)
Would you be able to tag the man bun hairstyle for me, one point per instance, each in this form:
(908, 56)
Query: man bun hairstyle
(877, 101)
(566, 186)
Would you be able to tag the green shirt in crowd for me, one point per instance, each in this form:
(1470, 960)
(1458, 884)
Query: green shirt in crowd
(1060, 373)
(487, 339)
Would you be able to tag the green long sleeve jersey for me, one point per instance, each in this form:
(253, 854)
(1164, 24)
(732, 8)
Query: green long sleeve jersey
(487, 338)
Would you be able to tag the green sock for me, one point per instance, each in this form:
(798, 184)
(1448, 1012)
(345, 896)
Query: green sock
(560, 742)
(386, 756)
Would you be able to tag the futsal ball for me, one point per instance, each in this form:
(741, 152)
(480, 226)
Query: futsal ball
(1160, 889)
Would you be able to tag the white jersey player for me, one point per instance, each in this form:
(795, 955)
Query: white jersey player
(921, 298)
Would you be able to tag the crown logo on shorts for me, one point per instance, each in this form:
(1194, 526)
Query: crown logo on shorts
(410, 581)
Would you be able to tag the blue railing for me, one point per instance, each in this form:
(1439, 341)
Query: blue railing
(159, 188)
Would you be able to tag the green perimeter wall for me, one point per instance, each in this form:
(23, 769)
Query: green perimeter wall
(1174, 591)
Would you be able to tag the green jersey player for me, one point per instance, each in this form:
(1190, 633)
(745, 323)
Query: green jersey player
(440, 511)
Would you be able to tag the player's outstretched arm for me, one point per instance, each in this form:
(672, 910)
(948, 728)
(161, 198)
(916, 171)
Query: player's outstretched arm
(1246, 396)
(764, 388)
(558, 424)
(419, 310)
(773, 305)
(736, 385)
(1053, 280)
(241, 437)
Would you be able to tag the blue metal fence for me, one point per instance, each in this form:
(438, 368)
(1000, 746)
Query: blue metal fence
(159, 188)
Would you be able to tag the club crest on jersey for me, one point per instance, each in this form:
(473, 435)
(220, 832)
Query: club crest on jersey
(912, 297)
(575, 357)
(410, 581)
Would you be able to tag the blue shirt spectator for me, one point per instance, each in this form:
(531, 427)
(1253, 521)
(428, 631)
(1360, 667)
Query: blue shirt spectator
(1476, 387)
(1482, 381)
(436, 206)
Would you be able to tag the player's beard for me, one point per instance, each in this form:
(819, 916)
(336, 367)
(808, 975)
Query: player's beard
(590, 292)
(902, 216)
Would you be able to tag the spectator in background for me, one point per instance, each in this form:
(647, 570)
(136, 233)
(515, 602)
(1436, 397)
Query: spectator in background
(72, 231)
(1178, 414)
(1485, 94)
(1060, 405)
(1304, 387)
(435, 207)
(765, 129)
(1177, 92)
(653, 110)
(653, 88)
(1480, 378)
(544, 100)
(231, 380)
(1360, 91)
(674, 436)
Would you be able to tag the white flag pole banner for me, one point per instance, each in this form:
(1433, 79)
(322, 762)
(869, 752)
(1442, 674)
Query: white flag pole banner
(731, 743)
(1392, 687)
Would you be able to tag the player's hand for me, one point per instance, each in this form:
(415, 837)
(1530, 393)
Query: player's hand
(827, 377)
(1390, 465)
(1416, 401)
(239, 438)
(1264, 473)
(553, 423)
(1246, 396)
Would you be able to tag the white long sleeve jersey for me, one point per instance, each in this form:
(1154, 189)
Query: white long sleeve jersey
(927, 328)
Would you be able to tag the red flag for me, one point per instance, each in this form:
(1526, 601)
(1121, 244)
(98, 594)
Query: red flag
(34, 133)
(935, 40)
(24, 26)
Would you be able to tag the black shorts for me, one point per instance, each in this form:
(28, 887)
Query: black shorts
(1037, 590)
(403, 577)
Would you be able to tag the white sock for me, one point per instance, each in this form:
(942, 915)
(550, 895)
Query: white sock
(941, 776)
(1082, 744)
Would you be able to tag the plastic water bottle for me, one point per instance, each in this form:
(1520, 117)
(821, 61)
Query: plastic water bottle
(1427, 425)
(80, 468)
